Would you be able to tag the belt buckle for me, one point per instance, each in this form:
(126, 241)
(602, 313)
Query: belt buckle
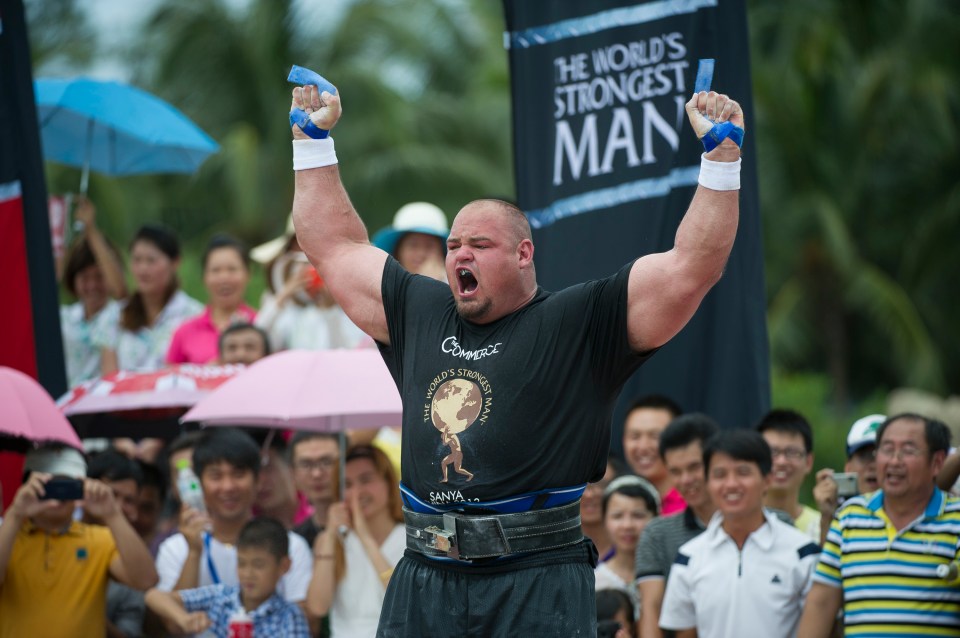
(444, 540)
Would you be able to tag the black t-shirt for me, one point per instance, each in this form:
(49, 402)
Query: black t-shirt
(519, 405)
(309, 530)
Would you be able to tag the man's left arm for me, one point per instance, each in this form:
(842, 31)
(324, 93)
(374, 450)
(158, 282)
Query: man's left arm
(133, 566)
(665, 289)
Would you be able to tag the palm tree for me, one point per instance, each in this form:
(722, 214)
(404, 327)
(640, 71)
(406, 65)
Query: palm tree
(424, 117)
(848, 138)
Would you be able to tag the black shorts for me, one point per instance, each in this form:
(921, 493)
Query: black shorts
(545, 594)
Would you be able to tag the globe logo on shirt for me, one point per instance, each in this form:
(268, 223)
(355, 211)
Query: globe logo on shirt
(456, 405)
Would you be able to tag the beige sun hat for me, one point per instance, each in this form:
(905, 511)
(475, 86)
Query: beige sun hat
(267, 252)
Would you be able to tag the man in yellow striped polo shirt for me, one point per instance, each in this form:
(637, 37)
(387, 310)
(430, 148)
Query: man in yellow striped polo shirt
(881, 556)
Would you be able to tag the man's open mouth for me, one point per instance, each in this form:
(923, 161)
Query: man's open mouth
(466, 281)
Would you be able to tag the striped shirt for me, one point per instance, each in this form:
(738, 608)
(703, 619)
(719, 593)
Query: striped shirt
(274, 618)
(889, 580)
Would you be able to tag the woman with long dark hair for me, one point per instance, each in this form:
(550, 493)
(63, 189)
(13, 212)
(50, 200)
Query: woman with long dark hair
(155, 309)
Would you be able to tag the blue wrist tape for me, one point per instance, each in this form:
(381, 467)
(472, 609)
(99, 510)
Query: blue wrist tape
(300, 75)
(720, 131)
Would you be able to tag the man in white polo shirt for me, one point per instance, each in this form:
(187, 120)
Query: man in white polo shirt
(749, 572)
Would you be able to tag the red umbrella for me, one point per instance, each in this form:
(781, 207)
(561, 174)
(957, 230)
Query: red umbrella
(29, 414)
(140, 404)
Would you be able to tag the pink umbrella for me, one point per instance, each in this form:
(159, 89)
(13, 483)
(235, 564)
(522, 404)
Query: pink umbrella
(141, 404)
(29, 414)
(325, 391)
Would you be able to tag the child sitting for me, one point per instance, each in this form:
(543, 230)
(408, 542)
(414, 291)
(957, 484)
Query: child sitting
(261, 561)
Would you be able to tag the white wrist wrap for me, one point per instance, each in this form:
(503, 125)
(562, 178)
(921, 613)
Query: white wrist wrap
(719, 176)
(315, 154)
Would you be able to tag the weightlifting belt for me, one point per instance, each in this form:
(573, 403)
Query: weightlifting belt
(470, 536)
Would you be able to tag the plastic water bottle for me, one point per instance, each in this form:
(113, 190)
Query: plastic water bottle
(191, 494)
(241, 625)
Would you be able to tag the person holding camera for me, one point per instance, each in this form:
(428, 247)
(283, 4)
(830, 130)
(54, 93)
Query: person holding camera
(53, 569)
(859, 474)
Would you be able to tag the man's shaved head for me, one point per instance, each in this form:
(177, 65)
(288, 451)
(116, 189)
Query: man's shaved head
(518, 221)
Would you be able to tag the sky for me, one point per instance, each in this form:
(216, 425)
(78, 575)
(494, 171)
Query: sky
(118, 21)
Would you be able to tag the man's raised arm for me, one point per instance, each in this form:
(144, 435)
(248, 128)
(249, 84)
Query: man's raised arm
(665, 289)
(328, 228)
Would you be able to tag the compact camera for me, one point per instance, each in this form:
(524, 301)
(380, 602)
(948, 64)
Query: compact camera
(846, 484)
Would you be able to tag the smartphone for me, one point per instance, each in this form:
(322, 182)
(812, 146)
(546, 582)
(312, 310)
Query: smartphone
(846, 484)
(63, 489)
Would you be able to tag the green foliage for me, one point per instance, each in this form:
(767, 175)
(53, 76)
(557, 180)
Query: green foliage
(61, 37)
(857, 115)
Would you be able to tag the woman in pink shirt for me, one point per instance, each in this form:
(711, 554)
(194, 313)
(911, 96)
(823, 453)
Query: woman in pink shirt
(226, 272)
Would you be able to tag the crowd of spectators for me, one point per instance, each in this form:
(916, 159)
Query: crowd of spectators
(748, 555)
(699, 531)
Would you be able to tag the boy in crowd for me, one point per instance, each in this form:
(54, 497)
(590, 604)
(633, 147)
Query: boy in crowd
(227, 462)
(681, 448)
(645, 420)
(748, 568)
(790, 438)
(262, 560)
(243, 343)
(314, 457)
(53, 569)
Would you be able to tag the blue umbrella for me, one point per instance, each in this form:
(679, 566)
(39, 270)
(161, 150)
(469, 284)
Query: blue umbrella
(116, 129)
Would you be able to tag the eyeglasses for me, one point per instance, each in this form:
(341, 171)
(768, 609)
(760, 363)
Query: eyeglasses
(905, 452)
(324, 463)
(789, 453)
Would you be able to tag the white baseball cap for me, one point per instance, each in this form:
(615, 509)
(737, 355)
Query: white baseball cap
(63, 461)
(864, 432)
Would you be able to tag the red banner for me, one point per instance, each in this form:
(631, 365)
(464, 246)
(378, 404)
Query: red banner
(16, 322)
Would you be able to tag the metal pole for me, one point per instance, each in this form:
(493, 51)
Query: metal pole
(85, 175)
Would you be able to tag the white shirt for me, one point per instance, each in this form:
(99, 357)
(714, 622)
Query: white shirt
(357, 601)
(727, 592)
(606, 578)
(294, 327)
(146, 349)
(173, 554)
(82, 354)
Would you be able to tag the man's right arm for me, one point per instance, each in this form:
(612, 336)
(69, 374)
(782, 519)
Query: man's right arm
(820, 611)
(331, 232)
(170, 607)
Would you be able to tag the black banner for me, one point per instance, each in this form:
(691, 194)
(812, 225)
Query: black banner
(606, 166)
